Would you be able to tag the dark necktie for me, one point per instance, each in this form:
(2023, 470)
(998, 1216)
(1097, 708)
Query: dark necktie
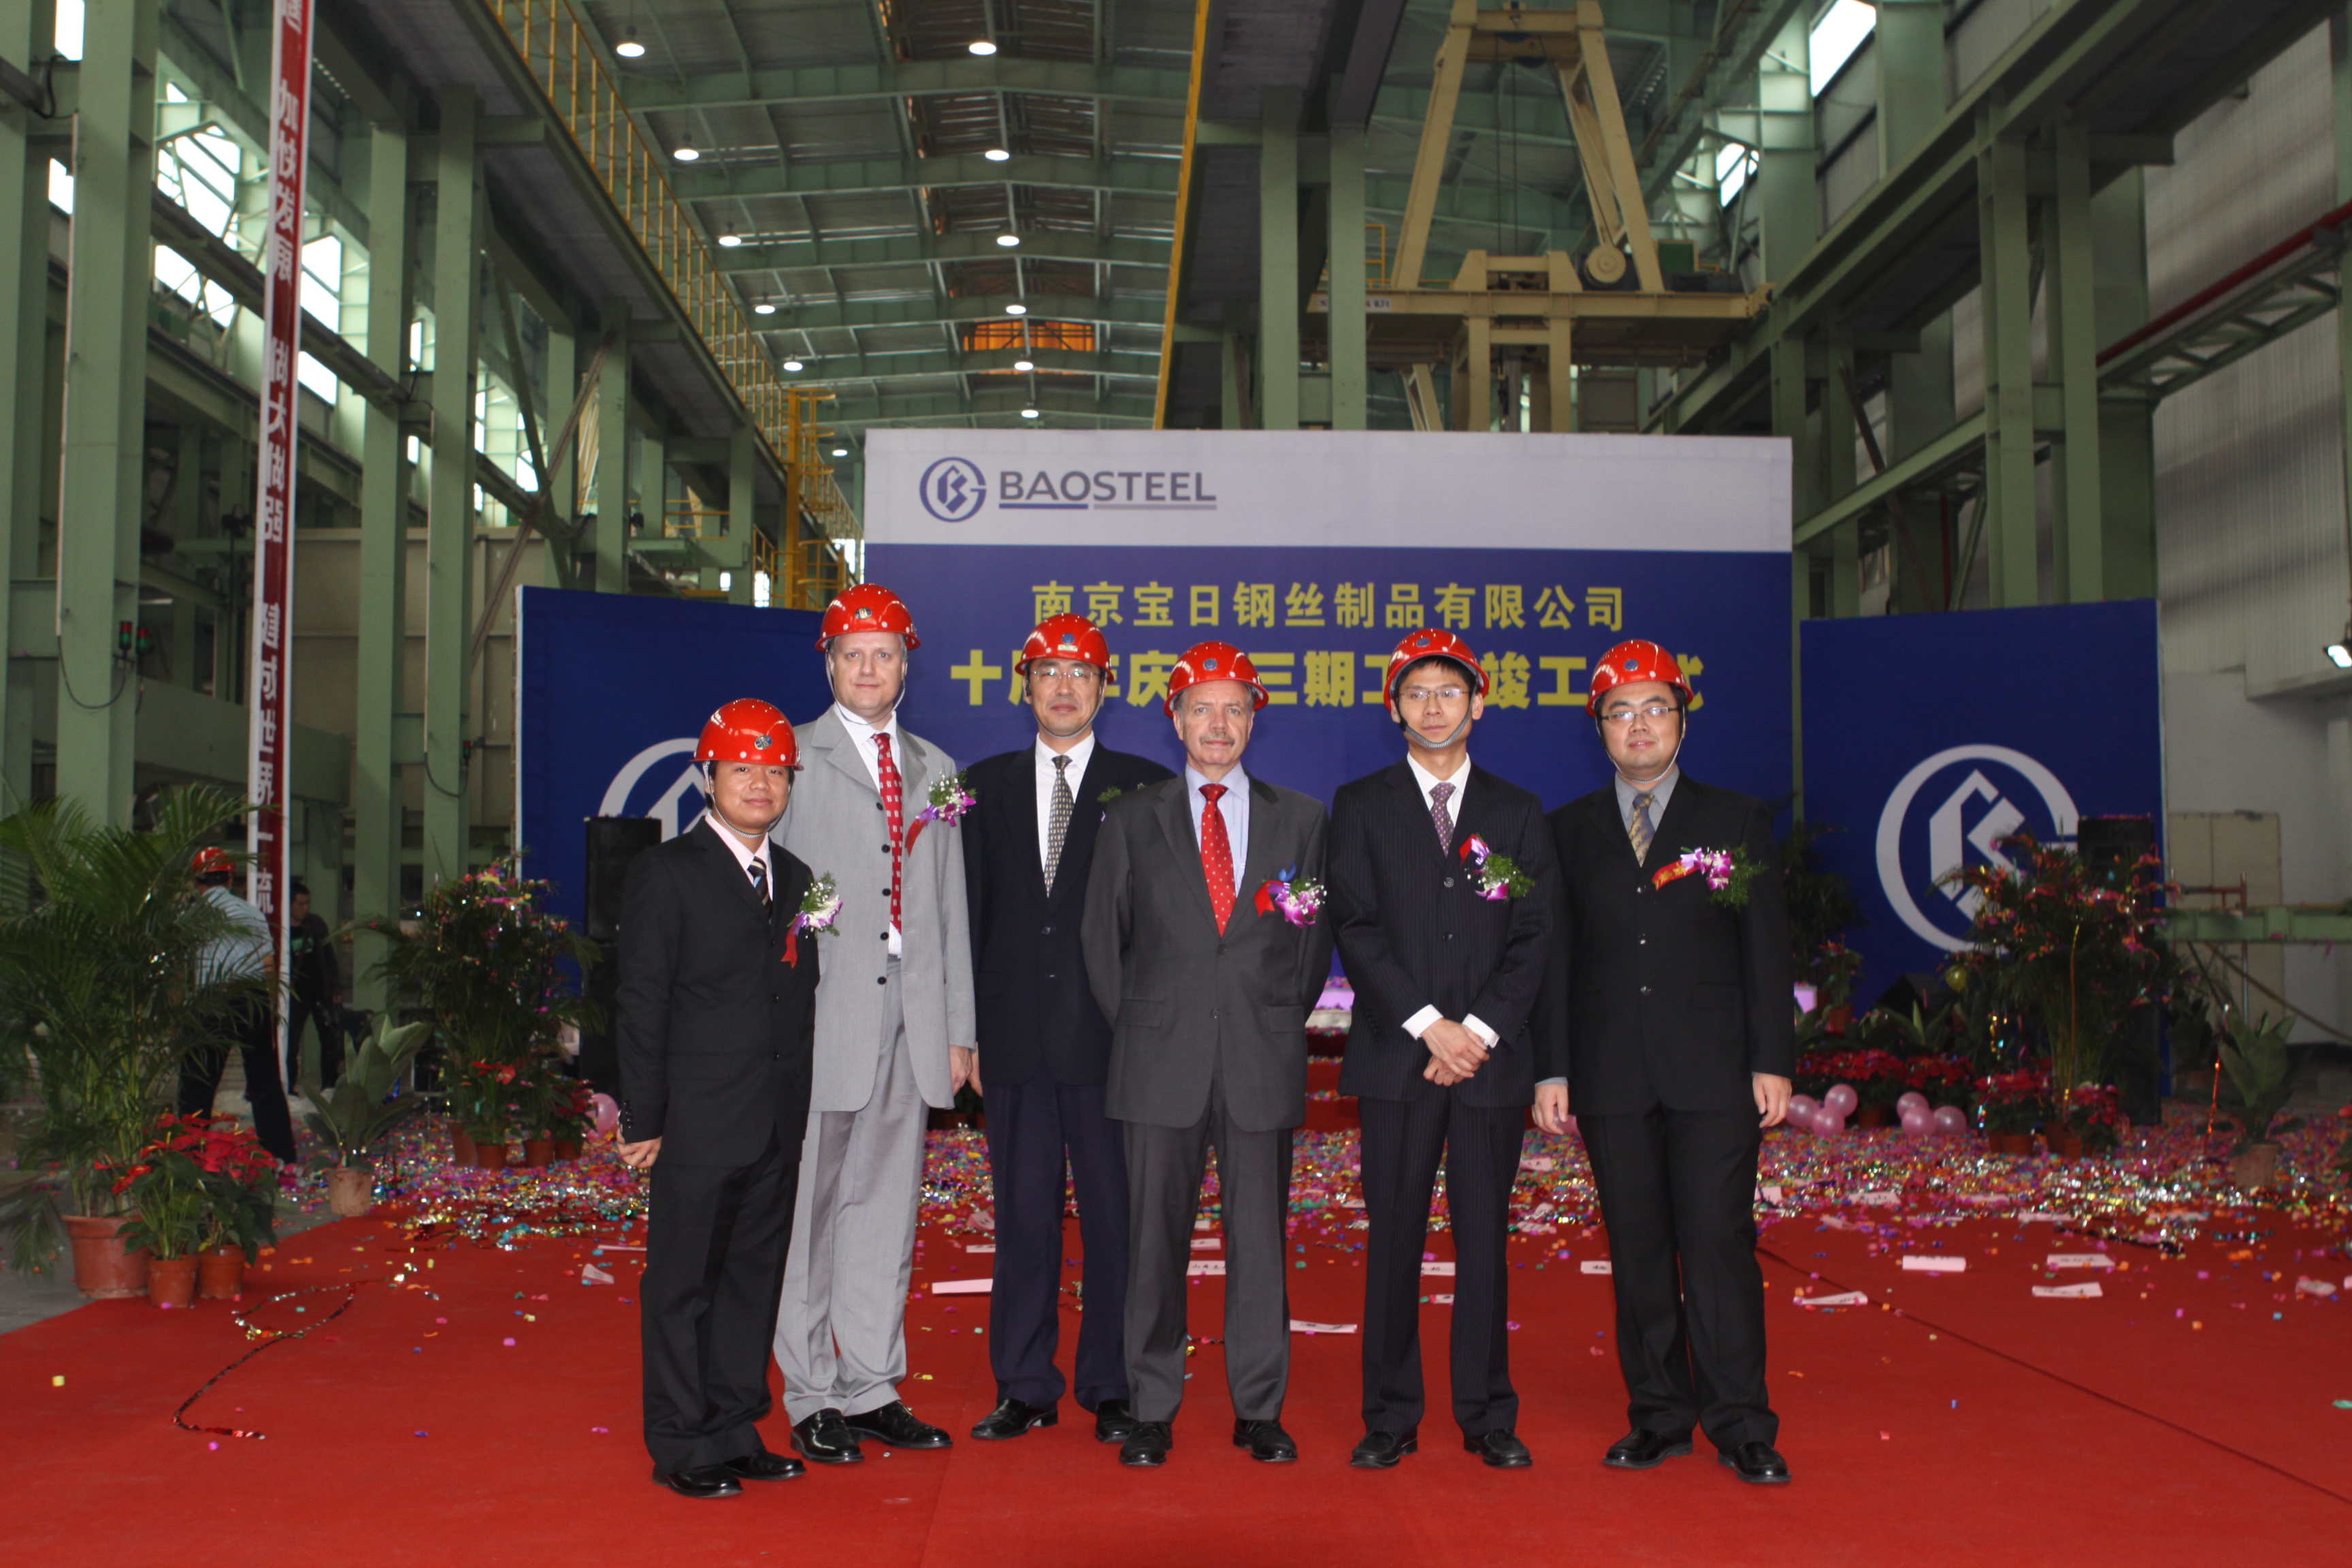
(1057, 821)
(760, 886)
(1216, 855)
(1438, 795)
(894, 805)
(1640, 830)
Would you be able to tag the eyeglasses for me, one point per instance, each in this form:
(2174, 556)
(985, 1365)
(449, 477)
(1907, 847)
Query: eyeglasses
(1655, 712)
(1079, 674)
(1434, 693)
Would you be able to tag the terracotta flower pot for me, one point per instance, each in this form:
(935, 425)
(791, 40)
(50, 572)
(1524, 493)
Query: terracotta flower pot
(2066, 1145)
(171, 1281)
(538, 1152)
(567, 1149)
(490, 1155)
(1875, 1116)
(104, 1269)
(461, 1144)
(2254, 1166)
(220, 1273)
(2011, 1142)
(351, 1192)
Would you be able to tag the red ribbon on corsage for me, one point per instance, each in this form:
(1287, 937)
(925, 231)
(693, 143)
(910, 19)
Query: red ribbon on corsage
(1265, 897)
(1672, 871)
(792, 944)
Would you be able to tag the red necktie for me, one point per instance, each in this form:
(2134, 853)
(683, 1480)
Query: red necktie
(1216, 855)
(894, 805)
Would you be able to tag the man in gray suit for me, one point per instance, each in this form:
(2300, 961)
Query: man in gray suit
(1206, 964)
(894, 1036)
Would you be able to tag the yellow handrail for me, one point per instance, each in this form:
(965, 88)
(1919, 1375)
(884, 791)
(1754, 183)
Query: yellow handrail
(562, 58)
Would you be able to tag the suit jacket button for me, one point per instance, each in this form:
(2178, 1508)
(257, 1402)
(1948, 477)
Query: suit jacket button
(775, 998)
(1449, 881)
(884, 980)
(1045, 930)
(1052, 977)
(1646, 990)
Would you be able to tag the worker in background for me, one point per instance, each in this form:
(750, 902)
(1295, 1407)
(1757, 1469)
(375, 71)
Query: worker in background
(318, 991)
(245, 953)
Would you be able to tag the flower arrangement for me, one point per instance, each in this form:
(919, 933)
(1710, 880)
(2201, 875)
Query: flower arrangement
(198, 1185)
(1498, 876)
(820, 908)
(1727, 873)
(2096, 1115)
(2016, 1101)
(1298, 899)
(950, 797)
(1883, 1077)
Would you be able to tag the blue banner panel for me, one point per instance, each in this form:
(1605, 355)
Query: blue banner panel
(1928, 738)
(613, 691)
(1319, 622)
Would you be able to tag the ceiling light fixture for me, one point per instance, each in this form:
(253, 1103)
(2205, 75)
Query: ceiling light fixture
(1029, 414)
(730, 240)
(2339, 652)
(1016, 310)
(1024, 365)
(629, 48)
(982, 46)
(997, 155)
(685, 151)
(841, 451)
(1008, 240)
(765, 308)
(795, 366)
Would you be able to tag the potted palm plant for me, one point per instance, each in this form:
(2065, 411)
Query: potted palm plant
(101, 986)
(361, 1112)
(2255, 1057)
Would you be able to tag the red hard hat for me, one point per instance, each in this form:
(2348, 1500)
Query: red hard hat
(748, 731)
(211, 862)
(1430, 643)
(1207, 661)
(867, 607)
(1636, 660)
(1067, 636)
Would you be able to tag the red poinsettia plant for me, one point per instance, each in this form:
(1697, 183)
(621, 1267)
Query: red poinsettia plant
(2016, 1101)
(2096, 1115)
(201, 1182)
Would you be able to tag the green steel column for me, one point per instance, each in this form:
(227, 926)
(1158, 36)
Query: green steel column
(449, 510)
(1909, 49)
(2008, 302)
(2127, 424)
(1233, 359)
(743, 476)
(25, 35)
(2073, 328)
(1277, 260)
(1839, 416)
(1788, 204)
(2340, 53)
(1348, 374)
(110, 268)
(611, 477)
(1911, 88)
(378, 800)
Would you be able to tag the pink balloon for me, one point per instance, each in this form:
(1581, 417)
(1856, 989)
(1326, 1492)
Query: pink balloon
(1828, 1122)
(1805, 1103)
(1950, 1118)
(1916, 1119)
(1841, 1098)
(1574, 1131)
(608, 1112)
(1910, 1099)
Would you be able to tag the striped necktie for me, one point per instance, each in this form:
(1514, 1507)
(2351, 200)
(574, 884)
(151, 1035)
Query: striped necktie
(760, 885)
(1640, 829)
(1057, 823)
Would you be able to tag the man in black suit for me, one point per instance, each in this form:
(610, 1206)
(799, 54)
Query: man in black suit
(1669, 1023)
(1044, 1048)
(1204, 960)
(1447, 950)
(717, 1024)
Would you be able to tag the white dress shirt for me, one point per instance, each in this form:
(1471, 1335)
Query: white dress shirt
(861, 735)
(744, 854)
(1420, 1022)
(1233, 807)
(1080, 755)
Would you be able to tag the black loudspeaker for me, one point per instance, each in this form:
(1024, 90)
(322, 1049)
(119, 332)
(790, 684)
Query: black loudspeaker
(612, 843)
(2110, 847)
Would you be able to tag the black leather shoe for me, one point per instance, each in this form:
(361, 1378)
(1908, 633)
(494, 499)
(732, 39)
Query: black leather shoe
(1012, 1418)
(1267, 1443)
(1384, 1450)
(1759, 1464)
(703, 1482)
(825, 1440)
(1148, 1444)
(764, 1465)
(1642, 1449)
(1114, 1421)
(895, 1426)
(1501, 1448)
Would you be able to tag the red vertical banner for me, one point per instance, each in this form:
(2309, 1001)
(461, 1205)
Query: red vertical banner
(268, 778)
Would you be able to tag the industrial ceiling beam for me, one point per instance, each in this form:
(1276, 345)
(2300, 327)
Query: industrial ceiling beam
(815, 317)
(907, 78)
(920, 249)
(859, 176)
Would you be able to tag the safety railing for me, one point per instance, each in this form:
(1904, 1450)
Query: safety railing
(564, 59)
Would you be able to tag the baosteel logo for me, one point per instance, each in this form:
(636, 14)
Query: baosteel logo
(954, 489)
(646, 787)
(1954, 809)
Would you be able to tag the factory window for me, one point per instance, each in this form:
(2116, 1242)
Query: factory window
(1842, 28)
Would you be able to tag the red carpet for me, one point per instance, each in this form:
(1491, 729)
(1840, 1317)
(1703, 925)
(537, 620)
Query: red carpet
(1911, 1445)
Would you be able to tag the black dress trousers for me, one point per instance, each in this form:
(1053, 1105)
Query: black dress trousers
(717, 1236)
(1690, 1338)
